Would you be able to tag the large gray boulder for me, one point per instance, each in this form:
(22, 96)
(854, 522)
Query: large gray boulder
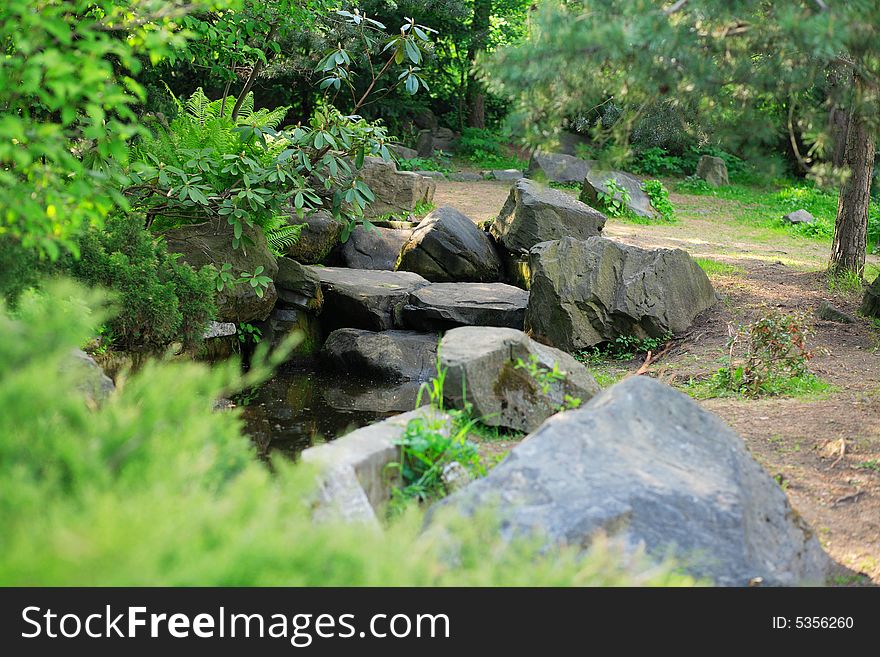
(558, 167)
(385, 355)
(395, 191)
(584, 293)
(649, 467)
(447, 246)
(713, 170)
(210, 243)
(535, 213)
(871, 301)
(374, 248)
(298, 286)
(442, 306)
(487, 367)
(319, 235)
(365, 298)
(597, 182)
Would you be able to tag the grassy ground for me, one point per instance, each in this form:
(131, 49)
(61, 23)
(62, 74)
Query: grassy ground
(821, 441)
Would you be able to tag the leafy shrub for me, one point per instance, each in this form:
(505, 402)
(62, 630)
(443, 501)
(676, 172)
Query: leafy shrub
(613, 202)
(776, 353)
(161, 300)
(655, 161)
(154, 487)
(487, 148)
(659, 196)
(440, 163)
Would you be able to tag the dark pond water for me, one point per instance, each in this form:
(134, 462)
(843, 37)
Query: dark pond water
(300, 407)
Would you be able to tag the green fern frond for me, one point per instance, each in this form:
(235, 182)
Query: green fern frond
(282, 238)
(246, 109)
(198, 107)
(264, 118)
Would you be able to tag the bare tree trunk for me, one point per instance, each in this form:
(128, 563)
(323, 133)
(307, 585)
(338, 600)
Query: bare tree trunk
(838, 119)
(851, 224)
(476, 97)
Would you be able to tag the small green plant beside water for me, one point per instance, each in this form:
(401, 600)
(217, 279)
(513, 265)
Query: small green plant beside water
(430, 445)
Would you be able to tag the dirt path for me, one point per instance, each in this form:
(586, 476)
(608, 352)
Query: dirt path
(825, 450)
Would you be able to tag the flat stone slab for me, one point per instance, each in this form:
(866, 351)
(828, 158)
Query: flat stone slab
(385, 355)
(441, 306)
(364, 298)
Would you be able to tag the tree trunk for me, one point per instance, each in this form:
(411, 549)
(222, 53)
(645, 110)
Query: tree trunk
(851, 224)
(838, 119)
(476, 97)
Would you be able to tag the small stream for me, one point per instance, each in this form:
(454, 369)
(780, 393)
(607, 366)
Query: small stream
(302, 406)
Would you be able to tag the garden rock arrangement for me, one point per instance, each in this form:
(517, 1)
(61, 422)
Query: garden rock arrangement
(488, 368)
(441, 306)
(535, 213)
(374, 248)
(395, 191)
(598, 182)
(447, 246)
(584, 293)
(387, 355)
(559, 168)
(646, 465)
(210, 243)
(713, 170)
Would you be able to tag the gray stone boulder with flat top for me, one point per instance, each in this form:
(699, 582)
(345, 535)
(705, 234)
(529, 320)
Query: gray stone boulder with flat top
(364, 298)
(385, 355)
(637, 201)
(441, 306)
(558, 167)
(210, 243)
(374, 247)
(488, 368)
(645, 465)
(584, 293)
(535, 213)
(395, 191)
(713, 170)
(447, 246)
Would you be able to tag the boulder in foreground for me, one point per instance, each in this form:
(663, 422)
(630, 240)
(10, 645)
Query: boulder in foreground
(646, 465)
